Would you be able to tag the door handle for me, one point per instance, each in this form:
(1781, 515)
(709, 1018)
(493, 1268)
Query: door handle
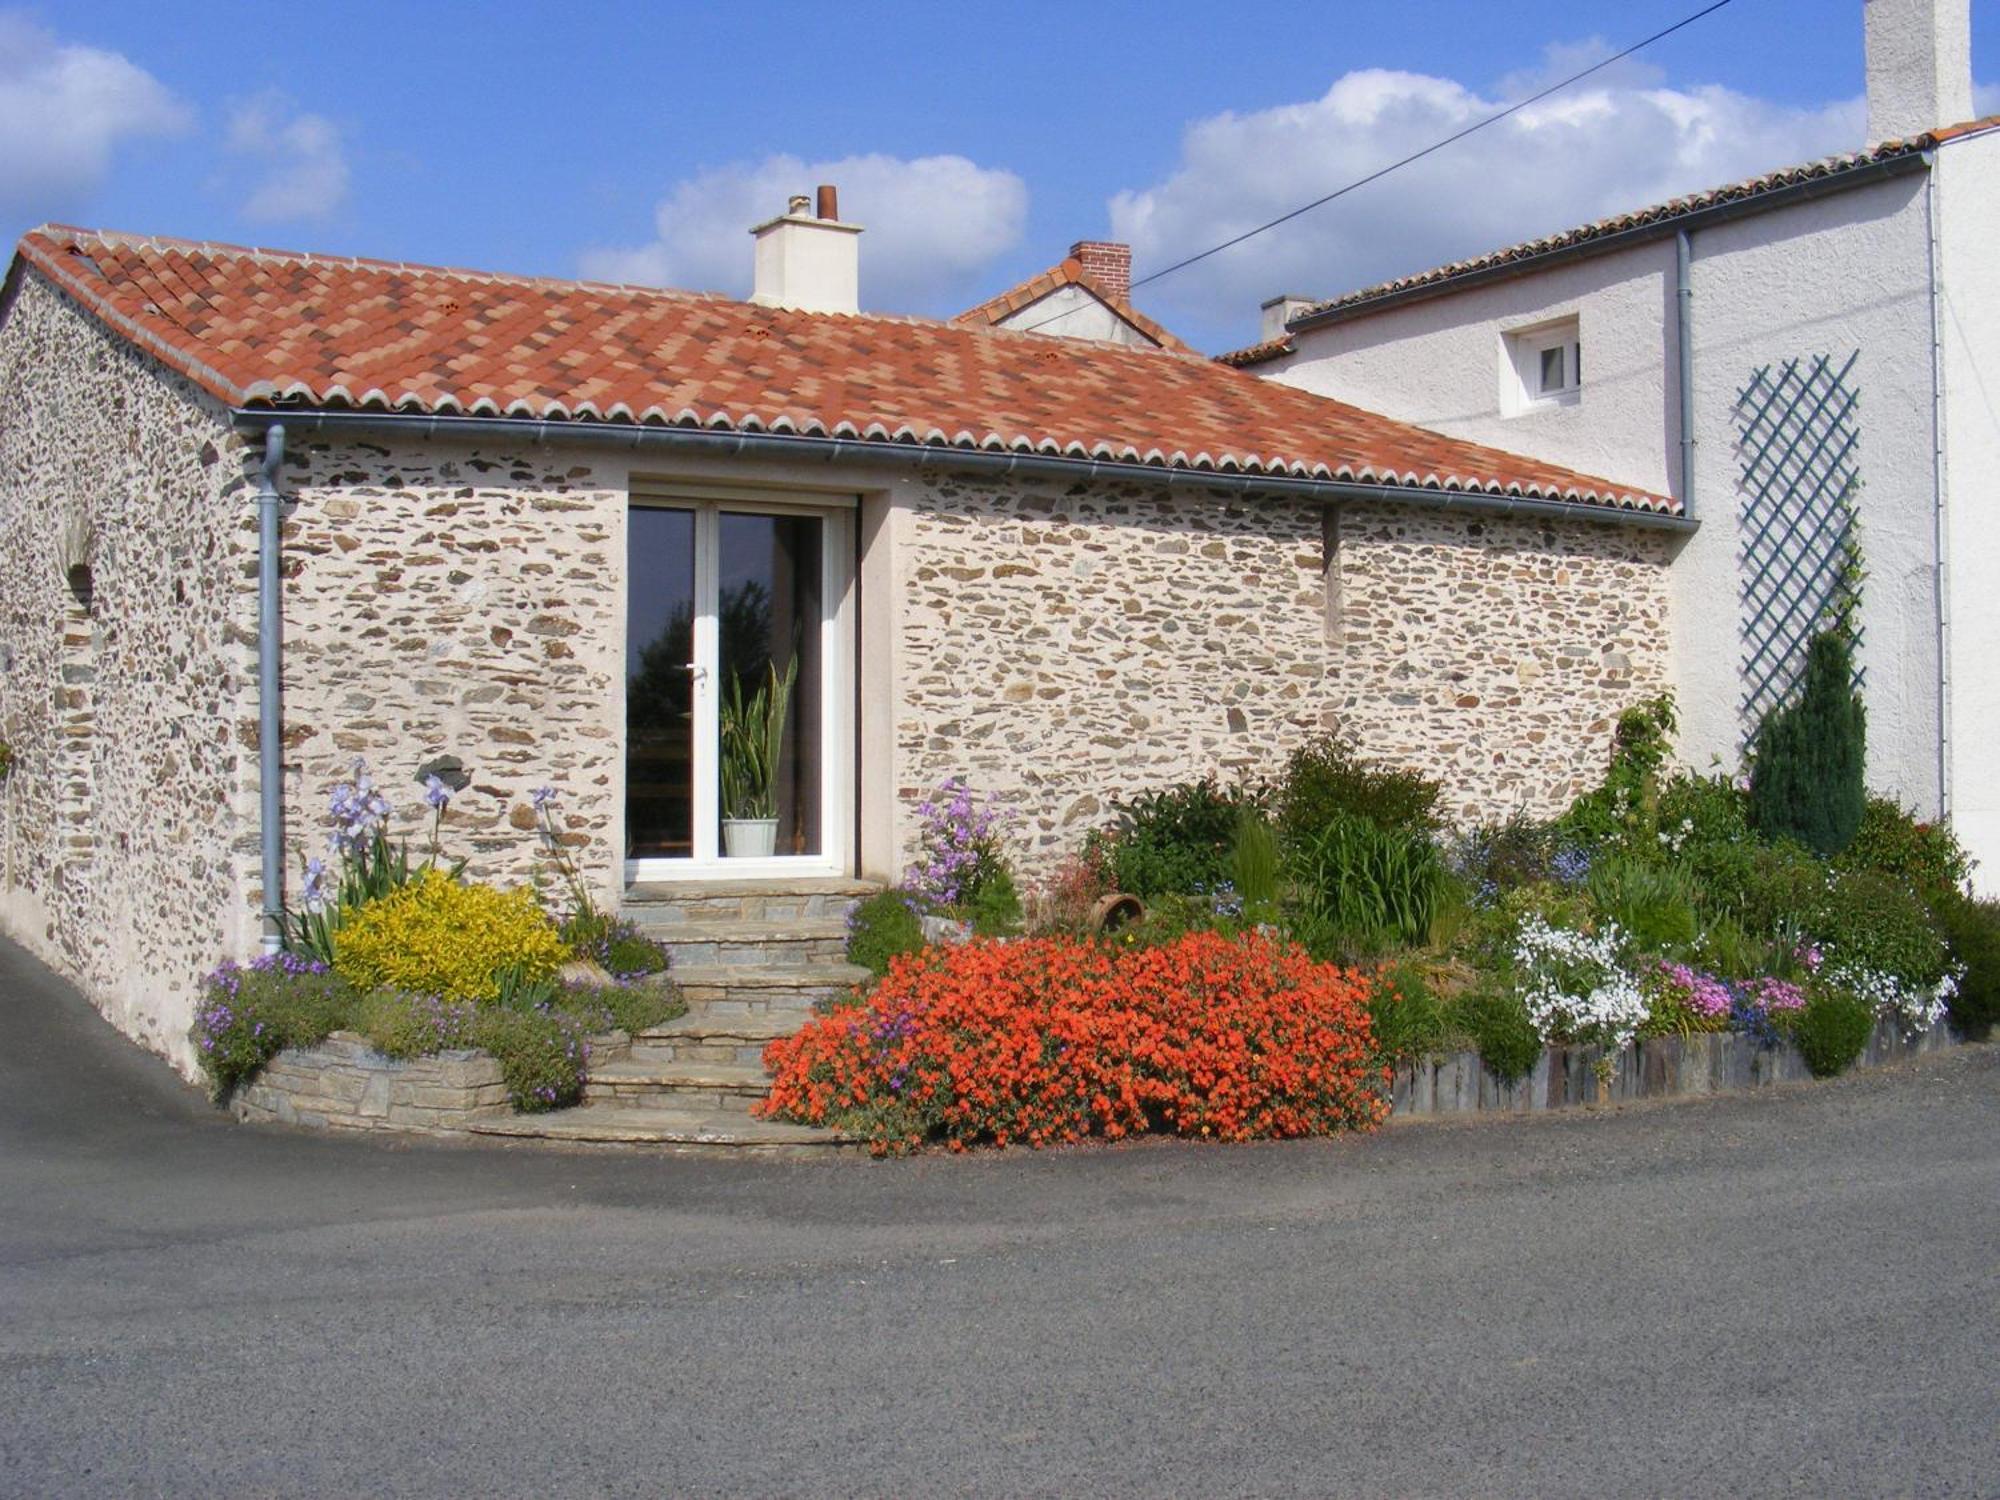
(695, 670)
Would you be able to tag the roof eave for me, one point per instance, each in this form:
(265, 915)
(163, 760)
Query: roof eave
(1858, 175)
(803, 448)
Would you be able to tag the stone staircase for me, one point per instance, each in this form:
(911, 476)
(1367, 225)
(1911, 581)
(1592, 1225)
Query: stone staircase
(750, 959)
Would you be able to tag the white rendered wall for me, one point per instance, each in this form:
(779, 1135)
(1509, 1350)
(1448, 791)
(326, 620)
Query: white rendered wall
(1073, 313)
(1968, 205)
(1827, 276)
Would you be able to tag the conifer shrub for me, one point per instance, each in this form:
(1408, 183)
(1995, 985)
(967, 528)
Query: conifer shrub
(1806, 779)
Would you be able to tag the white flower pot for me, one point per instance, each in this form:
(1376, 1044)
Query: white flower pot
(749, 838)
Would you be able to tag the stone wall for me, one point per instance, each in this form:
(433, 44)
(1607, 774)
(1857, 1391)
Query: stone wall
(443, 599)
(345, 1084)
(131, 792)
(1065, 645)
(1495, 653)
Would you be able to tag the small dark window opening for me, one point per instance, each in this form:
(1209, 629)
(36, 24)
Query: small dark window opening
(80, 585)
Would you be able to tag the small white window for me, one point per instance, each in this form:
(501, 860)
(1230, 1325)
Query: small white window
(1544, 367)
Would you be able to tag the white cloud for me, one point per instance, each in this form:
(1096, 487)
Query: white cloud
(64, 111)
(1619, 141)
(296, 162)
(932, 223)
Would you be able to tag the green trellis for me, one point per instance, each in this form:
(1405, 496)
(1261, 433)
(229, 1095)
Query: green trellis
(1797, 442)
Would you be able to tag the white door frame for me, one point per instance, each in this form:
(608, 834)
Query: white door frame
(837, 677)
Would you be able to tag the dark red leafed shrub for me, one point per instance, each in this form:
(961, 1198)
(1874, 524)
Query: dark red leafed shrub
(1049, 1040)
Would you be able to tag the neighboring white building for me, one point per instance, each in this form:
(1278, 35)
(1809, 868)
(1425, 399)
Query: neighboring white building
(1757, 351)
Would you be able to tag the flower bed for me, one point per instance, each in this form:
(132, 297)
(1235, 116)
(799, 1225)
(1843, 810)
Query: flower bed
(412, 961)
(1043, 1041)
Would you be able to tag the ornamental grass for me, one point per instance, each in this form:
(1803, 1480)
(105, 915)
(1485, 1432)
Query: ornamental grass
(1046, 1041)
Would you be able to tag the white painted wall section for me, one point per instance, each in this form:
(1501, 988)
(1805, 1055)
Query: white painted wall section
(1968, 217)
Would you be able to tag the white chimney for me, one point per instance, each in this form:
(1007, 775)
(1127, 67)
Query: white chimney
(1919, 66)
(809, 261)
(1278, 311)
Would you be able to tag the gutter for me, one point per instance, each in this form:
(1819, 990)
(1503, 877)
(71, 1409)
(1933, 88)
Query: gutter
(1939, 518)
(1684, 358)
(1859, 175)
(706, 442)
(270, 710)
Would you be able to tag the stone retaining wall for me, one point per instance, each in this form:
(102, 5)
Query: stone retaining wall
(1660, 1067)
(345, 1084)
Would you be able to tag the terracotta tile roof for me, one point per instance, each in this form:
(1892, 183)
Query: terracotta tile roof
(1069, 273)
(1604, 229)
(274, 329)
(1259, 354)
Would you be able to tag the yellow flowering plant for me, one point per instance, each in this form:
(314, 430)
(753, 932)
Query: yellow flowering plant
(459, 942)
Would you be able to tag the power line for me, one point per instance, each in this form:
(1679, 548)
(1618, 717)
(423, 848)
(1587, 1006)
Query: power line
(1415, 156)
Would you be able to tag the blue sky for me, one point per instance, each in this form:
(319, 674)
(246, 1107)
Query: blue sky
(975, 141)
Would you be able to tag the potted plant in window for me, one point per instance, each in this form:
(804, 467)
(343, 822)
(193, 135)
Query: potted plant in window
(753, 738)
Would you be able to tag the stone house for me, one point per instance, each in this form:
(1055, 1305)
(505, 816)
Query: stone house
(1787, 357)
(555, 528)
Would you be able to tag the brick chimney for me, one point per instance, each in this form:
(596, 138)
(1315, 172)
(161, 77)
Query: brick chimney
(1107, 263)
(806, 259)
(1919, 66)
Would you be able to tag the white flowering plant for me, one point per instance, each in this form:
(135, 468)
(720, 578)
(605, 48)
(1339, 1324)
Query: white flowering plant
(1575, 984)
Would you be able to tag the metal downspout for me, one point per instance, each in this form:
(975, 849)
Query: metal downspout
(1939, 519)
(270, 715)
(1684, 358)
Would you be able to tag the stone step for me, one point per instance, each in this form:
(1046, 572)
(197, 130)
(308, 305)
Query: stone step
(801, 943)
(717, 991)
(682, 1131)
(661, 904)
(699, 1040)
(713, 1087)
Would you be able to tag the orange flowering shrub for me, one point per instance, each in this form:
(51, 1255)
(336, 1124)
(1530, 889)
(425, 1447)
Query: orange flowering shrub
(1048, 1040)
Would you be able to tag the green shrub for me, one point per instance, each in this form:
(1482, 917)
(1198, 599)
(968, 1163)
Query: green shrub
(1832, 1030)
(1406, 1018)
(248, 1013)
(880, 928)
(1256, 865)
(541, 1054)
(1326, 780)
(1766, 889)
(995, 907)
(1624, 807)
(1704, 810)
(1357, 880)
(1895, 843)
(404, 1025)
(1973, 930)
(1520, 851)
(1867, 921)
(1805, 780)
(614, 944)
(1502, 1031)
(631, 1007)
(1175, 839)
(1653, 903)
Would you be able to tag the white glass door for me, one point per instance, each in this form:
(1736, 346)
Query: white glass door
(738, 680)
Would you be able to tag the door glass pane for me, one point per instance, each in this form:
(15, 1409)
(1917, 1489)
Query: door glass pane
(659, 688)
(768, 623)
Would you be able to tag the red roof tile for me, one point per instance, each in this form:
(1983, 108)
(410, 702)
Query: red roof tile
(1070, 272)
(275, 329)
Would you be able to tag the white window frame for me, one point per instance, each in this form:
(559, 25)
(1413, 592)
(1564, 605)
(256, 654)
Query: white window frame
(1521, 366)
(708, 863)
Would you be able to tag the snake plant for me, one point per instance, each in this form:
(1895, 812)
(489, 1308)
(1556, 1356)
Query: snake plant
(753, 738)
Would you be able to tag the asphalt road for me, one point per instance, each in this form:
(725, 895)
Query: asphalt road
(1786, 1293)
